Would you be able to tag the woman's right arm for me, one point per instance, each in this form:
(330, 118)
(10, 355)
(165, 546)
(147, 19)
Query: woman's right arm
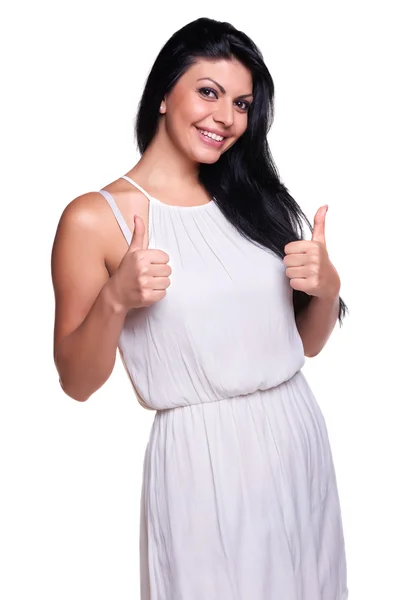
(91, 306)
(88, 317)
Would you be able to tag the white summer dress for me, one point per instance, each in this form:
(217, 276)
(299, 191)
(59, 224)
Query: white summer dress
(239, 494)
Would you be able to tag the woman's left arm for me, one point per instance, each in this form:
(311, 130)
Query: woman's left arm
(310, 270)
(316, 322)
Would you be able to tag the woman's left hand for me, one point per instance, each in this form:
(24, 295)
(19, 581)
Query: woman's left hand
(308, 266)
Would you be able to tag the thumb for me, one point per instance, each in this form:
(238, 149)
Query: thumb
(137, 242)
(319, 225)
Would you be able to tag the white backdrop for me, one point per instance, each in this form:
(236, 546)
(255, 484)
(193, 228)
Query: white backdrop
(73, 73)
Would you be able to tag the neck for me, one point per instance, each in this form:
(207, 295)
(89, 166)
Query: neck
(163, 164)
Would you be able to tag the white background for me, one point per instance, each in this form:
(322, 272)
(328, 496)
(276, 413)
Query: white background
(72, 75)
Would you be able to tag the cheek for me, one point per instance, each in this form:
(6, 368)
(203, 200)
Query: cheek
(198, 111)
(242, 125)
(184, 116)
(239, 131)
(190, 109)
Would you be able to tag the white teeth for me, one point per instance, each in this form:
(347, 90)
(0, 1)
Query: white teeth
(213, 136)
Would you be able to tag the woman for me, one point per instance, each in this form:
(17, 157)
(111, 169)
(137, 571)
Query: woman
(214, 301)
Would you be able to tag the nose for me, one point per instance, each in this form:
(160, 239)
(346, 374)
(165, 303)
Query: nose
(224, 113)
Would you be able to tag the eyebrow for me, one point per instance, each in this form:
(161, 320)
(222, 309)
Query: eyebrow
(221, 88)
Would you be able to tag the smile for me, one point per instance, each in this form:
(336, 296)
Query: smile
(214, 136)
(211, 139)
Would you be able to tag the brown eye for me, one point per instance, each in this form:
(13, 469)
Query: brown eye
(245, 105)
(203, 90)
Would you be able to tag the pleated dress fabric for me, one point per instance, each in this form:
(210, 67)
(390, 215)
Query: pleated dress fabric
(239, 495)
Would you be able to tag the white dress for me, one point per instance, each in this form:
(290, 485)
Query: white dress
(239, 495)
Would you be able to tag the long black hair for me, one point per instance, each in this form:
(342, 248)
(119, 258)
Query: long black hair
(244, 181)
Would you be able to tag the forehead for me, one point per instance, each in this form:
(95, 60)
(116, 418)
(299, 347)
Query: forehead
(231, 74)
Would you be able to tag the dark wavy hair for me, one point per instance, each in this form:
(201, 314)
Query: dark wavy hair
(244, 181)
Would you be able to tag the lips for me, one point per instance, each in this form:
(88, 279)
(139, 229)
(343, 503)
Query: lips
(210, 141)
(213, 132)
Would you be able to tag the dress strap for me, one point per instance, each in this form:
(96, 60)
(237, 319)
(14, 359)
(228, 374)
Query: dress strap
(136, 185)
(118, 215)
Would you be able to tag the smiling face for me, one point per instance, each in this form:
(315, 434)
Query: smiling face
(211, 100)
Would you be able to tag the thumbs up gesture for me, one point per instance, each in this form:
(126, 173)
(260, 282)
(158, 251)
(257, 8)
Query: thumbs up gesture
(308, 266)
(143, 274)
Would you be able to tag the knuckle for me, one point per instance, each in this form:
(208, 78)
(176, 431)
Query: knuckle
(143, 279)
(316, 255)
(142, 285)
(145, 296)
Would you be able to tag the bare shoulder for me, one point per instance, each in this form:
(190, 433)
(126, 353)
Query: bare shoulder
(84, 213)
(87, 223)
(78, 261)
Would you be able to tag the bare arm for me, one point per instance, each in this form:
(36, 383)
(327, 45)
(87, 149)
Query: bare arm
(88, 319)
(311, 271)
(316, 322)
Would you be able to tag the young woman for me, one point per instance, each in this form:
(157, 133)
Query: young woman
(214, 301)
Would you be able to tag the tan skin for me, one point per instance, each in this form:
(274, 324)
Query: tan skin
(91, 262)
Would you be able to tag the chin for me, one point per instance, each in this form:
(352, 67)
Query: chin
(207, 157)
(209, 160)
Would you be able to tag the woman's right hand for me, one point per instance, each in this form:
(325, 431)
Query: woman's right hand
(143, 274)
